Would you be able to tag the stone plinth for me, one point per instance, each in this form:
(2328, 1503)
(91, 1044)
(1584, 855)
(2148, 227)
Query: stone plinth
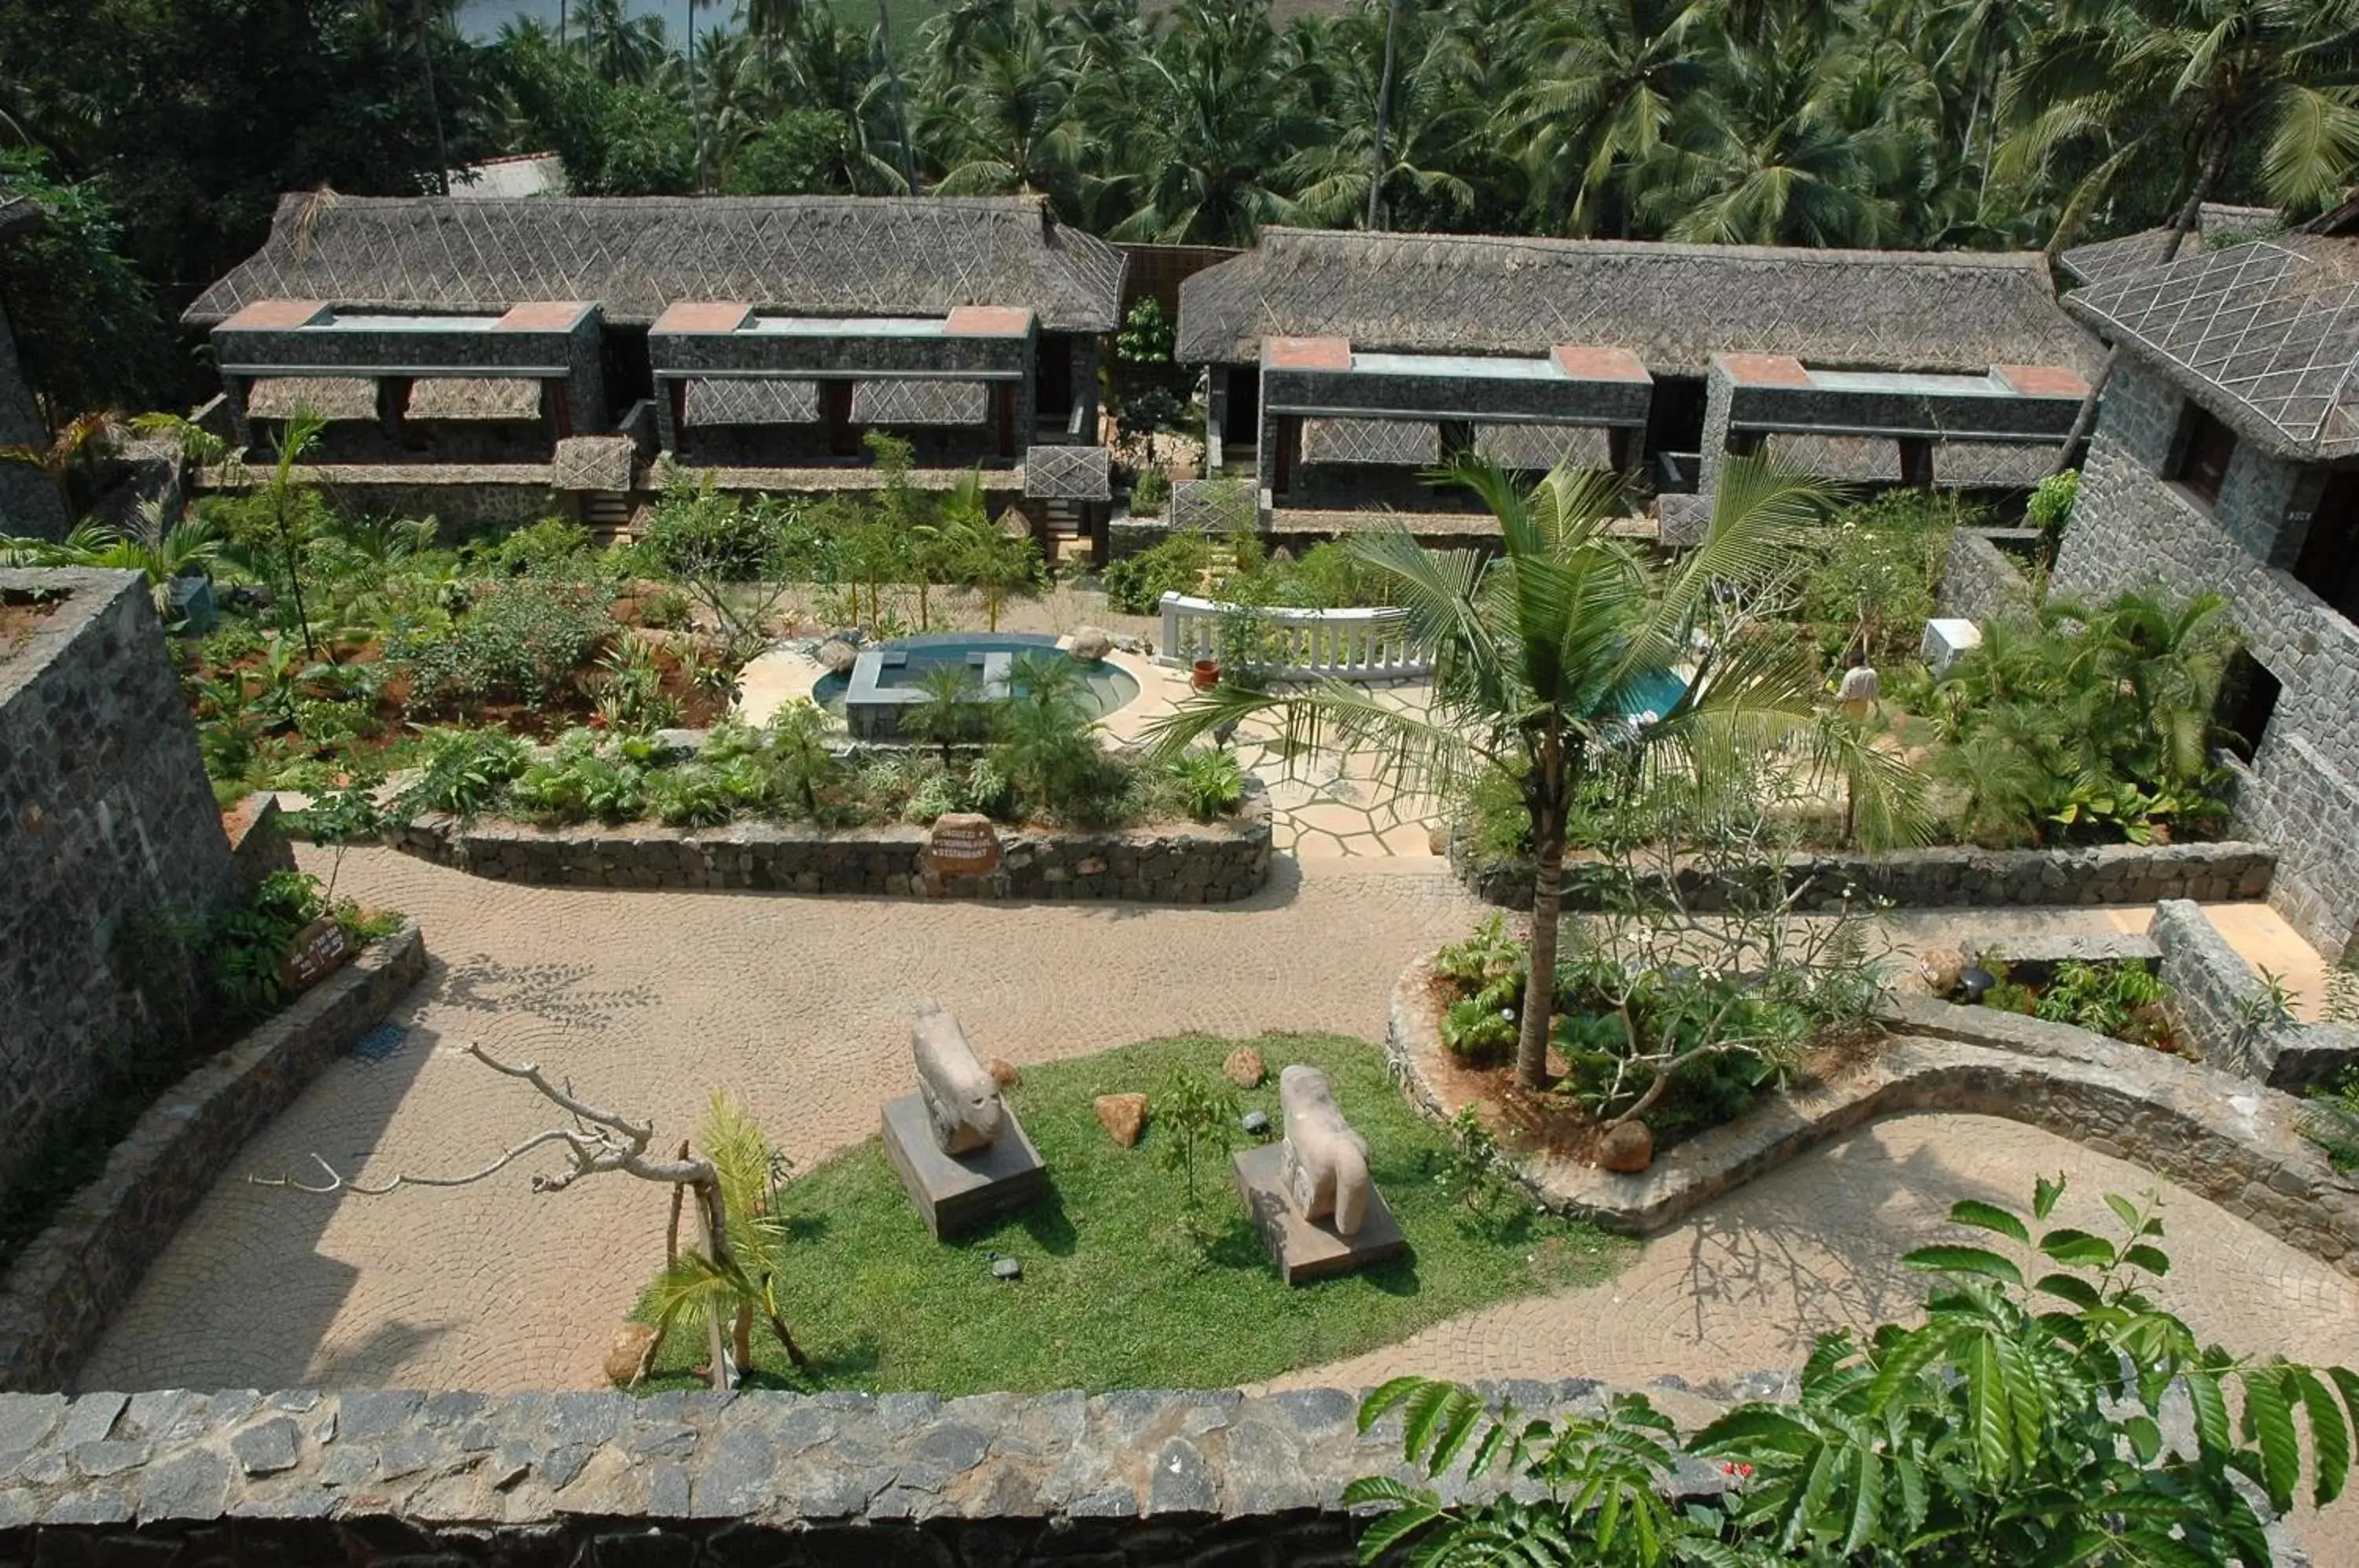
(953, 1194)
(1304, 1249)
(1947, 640)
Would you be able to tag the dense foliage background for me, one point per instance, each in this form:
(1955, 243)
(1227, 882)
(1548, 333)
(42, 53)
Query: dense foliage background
(1889, 122)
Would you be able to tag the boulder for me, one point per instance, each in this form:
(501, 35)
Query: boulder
(1003, 1072)
(1940, 969)
(1628, 1149)
(625, 1351)
(837, 657)
(1090, 643)
(1123, 1115)
(1245, 1068)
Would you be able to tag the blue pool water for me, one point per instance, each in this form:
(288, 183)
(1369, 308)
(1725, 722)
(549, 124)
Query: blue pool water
(1657, 695)
(1106, 687)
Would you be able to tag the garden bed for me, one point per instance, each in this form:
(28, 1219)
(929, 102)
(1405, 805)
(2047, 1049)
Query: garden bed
(1172, 863)
(1114, 1294)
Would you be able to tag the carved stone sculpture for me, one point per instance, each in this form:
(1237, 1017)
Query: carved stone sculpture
(1326, 1162)
(962, 1098)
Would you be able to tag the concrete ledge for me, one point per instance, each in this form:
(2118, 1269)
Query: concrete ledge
(1177, 863)
(1942, 878)
(65, 1285)
(2223, 1137)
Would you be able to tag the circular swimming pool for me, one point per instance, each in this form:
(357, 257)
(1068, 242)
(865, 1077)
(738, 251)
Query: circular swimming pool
(1106, 685)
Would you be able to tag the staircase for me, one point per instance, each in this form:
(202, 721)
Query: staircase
(607, 514)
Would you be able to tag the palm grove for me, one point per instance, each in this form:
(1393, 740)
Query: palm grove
(1888, 122)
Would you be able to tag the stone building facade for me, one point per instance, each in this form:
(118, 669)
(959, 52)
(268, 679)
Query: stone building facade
(108, 834)
(2227, 460)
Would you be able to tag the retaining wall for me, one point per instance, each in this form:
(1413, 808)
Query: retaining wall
(109, 841)
(1981, 582)
(1184, 863)
(2223, 1011)
(61, 1289)
(1939, 878)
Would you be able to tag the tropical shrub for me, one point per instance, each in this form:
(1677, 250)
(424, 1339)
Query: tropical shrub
(2019, 1423)
(1178, 564)
(1211, 783)
(521, 642)
(463, 772)
(1874, 569)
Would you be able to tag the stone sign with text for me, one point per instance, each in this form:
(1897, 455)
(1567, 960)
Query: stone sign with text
(320, 948)
(964, 844)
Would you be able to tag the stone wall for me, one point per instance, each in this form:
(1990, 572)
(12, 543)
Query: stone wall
(1129, 1479)
(2223, 1011)
(2131, 529)
(462, 510)
(61, 1289)
(1939, 879)
(1181, 863)
(108, 832)
(1981, 582)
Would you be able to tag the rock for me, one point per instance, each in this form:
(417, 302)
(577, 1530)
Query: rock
(1090, 643)
(1123, 1115)
(624, 1350)
(1245, 1068)
(1003, 1072)
(1628, 1149)
(1940, 969)
(1436, 840)
(836, 657)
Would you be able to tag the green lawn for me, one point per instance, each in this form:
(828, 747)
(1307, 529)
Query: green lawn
(1114, 1295)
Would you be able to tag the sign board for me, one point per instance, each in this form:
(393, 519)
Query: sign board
(965, 844)
(320, 948)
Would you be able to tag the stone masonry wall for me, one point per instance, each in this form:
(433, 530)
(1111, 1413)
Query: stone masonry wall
(107, 826)
(1939, 879)
(2130, 529)
(1981, 582)
(1184, 863)
(2222, 1010)
(63, 1289)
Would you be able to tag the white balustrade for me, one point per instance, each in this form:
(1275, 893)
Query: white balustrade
(1295, 645)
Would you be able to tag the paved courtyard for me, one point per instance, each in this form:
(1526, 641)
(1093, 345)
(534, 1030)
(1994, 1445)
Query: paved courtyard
(649, 1001)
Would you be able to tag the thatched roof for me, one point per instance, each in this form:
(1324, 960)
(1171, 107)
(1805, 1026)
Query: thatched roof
(2264, 334)
(805, 255)
(2216, 223)
(1675, 305)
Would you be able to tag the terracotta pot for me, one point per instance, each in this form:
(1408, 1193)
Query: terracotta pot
(1205, 675)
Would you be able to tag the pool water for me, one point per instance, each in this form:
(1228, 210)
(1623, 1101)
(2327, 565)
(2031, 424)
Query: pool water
(1105, 686)
(1656, 695)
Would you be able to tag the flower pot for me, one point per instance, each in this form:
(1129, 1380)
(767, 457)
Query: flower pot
(1205, 675)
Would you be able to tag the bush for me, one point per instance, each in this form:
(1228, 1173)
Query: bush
(464, 771)
(1878, 567)
(1136, 584)
(1150, 493)
(522, 642)
(2050, 507)
(583, 780)
(1210, 784)
(697, 532)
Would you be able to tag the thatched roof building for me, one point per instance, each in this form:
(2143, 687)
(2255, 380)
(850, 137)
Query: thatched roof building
(802, 255)
(1675, 305)
(2216, 223)
(2265, 334)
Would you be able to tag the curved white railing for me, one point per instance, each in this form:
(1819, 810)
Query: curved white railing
(1293, 645)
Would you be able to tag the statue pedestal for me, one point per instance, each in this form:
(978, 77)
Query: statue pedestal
(1304, 1249)
(955, 1193)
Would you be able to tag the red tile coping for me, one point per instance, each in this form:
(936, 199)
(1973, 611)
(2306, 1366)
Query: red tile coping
(1306, 353)
(1589, 362)
(1764, 370)
(989, 322)
(702, 316)
(542, 316)
(2042, 380)
(270, 315)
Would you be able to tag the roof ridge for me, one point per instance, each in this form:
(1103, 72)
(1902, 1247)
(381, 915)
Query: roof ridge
(1279, 237)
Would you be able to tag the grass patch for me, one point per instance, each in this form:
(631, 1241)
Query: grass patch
(1114, 1295)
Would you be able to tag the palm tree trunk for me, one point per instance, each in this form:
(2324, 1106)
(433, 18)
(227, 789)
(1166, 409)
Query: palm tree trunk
(433, 100)
(901, 111)
(2217, 148)
(1384, 101)
(1547, 798)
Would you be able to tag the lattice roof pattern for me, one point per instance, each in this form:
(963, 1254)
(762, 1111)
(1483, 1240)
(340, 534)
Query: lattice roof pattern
(328, 397)
(2011, 464)
(920, 402)
(1674, 305)
(593, 462)
(1870, 458)
(1217, 504)
(1388, 443)
(1544, 448)
(752, 401)
(475, 398)
(2270, 328)
(2214, 222)
(1068, 473)
(804, 255)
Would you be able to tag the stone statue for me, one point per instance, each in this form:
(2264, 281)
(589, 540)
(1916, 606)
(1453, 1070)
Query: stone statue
(961, 1097)
(1326, 1162)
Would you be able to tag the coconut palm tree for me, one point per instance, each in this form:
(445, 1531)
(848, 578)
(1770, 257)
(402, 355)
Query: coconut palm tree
(1614, 72)
(1541, 655)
